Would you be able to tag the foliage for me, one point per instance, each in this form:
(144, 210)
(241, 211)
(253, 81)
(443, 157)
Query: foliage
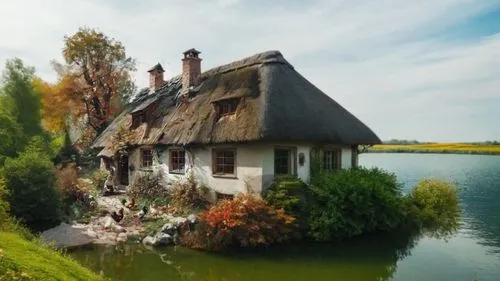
(98, 177)
(435, 204)
(28, 260)
(245, 221)
(31, 182)
(22, 99)
(4, 205)
(187, 195)
(76, 194)
(353, 202)
(56, 103)
(147, 185)
(98, 72)
(11, 135)
(121, 139)
(291, 194)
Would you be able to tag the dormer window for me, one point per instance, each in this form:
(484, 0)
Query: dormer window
(226, 107)
(138, 118)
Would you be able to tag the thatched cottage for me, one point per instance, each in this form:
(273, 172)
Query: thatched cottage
(234, 127)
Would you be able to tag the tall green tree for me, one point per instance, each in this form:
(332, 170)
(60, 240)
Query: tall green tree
(20, 100)
(11, 135)
(31, 182)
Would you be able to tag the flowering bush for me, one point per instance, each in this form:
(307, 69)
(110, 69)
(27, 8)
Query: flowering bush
(245, 221)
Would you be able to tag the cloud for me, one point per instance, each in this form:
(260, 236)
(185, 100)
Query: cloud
(394, 64)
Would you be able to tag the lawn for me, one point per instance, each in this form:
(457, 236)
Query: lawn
(28, 260)
(462, 148)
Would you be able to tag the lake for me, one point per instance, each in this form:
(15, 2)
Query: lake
(472, 253)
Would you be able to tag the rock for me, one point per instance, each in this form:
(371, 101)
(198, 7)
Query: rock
(148, 241)
(118, 228)
(169, 228)
(92, 234)
(178, 221)
(162, 239)
(122, 237)
(192, 218)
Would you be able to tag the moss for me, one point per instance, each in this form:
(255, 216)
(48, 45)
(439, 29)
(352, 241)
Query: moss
(28, 260)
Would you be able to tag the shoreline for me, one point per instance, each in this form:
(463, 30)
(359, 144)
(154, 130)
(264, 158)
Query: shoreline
(430, 151)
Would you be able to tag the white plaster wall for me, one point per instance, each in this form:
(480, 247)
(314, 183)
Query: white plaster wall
(346, 158)
(254, 166)
(304, 171)
(248, 170)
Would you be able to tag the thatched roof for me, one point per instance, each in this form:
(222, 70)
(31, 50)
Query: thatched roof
(276, 104)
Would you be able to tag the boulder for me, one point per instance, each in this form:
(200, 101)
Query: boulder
(169, 228)
(148, 241)
(162, 239)
(122, 237)
(178, 221)
(192, 218)
(118, 228)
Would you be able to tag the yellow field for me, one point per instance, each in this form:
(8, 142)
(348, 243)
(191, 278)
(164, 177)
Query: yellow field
(438, 148)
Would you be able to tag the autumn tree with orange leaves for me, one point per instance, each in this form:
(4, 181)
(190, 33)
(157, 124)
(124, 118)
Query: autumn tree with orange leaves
(94, 82)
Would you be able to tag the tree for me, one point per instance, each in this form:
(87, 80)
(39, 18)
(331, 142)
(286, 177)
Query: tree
(20, 99)
(30, 180)
(11, 136)
(97, 73)
(56, 103)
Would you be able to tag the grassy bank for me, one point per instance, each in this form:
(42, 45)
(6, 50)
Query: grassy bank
(26, 260)
(454, 148)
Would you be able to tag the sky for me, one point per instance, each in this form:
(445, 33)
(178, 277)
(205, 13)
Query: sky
(426, 70)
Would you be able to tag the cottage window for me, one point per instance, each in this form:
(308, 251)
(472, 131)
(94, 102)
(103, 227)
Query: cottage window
(227, 107)
(224, 162)
(177, 161)
(222, 196)
(283, 161)
(147, 158)
(331, 159)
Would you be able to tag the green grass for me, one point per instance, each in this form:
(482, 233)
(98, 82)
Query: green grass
(457, 148)
(21, 259)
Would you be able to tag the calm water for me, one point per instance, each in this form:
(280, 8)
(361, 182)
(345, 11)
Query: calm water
(474, 252)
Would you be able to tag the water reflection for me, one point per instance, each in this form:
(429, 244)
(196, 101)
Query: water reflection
(477, 176)
(367, 258)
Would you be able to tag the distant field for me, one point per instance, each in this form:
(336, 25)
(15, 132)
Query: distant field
(459, 148)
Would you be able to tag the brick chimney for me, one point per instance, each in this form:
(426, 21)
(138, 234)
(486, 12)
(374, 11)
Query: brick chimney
(156, 77)
(191, 69)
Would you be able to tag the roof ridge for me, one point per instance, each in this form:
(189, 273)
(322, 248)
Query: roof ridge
(272, 56)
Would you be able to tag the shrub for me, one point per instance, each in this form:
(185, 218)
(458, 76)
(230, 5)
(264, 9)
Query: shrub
(31, 183)
(98, 177)
(353, 202)
(147, 186)
(290, 194)
(245, 221)
(76, 193)
(188, 196)
(434, 204)
(4, 205)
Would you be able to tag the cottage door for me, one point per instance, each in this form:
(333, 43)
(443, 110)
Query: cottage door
(123, 169)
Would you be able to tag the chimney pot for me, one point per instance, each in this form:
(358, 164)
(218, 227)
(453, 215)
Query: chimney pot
(191, 69)
(156, 77)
